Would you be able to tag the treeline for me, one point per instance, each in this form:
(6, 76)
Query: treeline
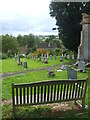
(12, 45)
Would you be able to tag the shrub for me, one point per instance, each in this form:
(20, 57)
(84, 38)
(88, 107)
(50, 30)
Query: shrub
(4, 56)
(22, 56)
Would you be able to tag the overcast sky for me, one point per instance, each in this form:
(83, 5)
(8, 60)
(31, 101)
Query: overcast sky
(26, 16)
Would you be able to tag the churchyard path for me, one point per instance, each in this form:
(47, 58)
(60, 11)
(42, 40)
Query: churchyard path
(4, 75)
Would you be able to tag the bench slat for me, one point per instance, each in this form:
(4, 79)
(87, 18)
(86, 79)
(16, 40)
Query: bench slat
(41, 93)
(54, 92)
(31, 95)
(20, 95)
(44, 93)
(48, 93)
(17, 95)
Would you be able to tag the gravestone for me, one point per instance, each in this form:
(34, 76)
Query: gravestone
(63, 67)
(34, 57)
(61, 58)
(18, 59)
(50, 57)
(62, 55)
(15, 56)
(65, 55)
(44, 55)
(71, 74)
(54, 57)
(25, 65)
(43, 59)
(81, 58)
(73, 57)
(47, 56)
(81, 66)
(68, 57)
(40, 58)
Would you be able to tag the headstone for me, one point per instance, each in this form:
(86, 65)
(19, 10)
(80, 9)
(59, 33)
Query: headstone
(54, 57)
(50, 57)
(25, 65)
(62, 55)
(15, 56)
(65, 55)
(68, 56)
(47, 56)
(44, 55)
(34, 57)
(81, 59)
(40, 58)
(63, 67)
(73, 57)
(43, 59)
(71, 74)
(81, 66)
(61, 58)
(18, 59)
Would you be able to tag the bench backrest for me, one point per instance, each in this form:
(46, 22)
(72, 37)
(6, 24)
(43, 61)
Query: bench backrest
(48, 92)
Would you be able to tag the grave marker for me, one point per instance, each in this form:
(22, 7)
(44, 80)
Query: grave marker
(81, 66)
(50, 57)
(71, 74)
(54, 57)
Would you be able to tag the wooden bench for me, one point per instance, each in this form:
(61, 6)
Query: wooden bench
(48, 92)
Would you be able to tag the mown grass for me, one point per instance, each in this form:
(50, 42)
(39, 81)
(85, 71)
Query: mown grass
(10, 65)
(33, 77)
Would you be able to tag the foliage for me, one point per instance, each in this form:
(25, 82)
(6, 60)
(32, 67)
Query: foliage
(9, 45)
(4, 56)
(57, 51)
(39, 52)
(68, 18)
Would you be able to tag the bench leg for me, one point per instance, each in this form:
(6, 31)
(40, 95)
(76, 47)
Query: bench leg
(83, 103)
(75, 102)
(13, 112)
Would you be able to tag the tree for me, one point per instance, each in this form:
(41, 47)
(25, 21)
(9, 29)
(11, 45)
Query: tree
(68, 18)
(9, 44)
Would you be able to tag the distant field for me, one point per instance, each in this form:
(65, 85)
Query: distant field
(10, 65)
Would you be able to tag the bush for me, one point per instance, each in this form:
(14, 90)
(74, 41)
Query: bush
(57, 51)
(4, 56)
(22, 56)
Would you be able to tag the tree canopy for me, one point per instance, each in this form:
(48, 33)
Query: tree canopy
(68, 16)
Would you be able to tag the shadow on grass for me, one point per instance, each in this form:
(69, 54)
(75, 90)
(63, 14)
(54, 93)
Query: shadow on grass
(43, 112)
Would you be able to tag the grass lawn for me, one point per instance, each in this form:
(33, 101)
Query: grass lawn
(32, 77)
(10, 65)
(36, 112)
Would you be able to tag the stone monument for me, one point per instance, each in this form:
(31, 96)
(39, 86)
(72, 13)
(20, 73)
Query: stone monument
(84, 47)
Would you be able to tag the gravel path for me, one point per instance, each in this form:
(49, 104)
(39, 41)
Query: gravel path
(30, 70)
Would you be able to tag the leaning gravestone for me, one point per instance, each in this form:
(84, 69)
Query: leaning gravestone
(71, 74)
(81, 66)
(63, 67)
(25, 65)
(40, 58)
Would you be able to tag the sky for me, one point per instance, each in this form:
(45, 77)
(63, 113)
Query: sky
(25, 17)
